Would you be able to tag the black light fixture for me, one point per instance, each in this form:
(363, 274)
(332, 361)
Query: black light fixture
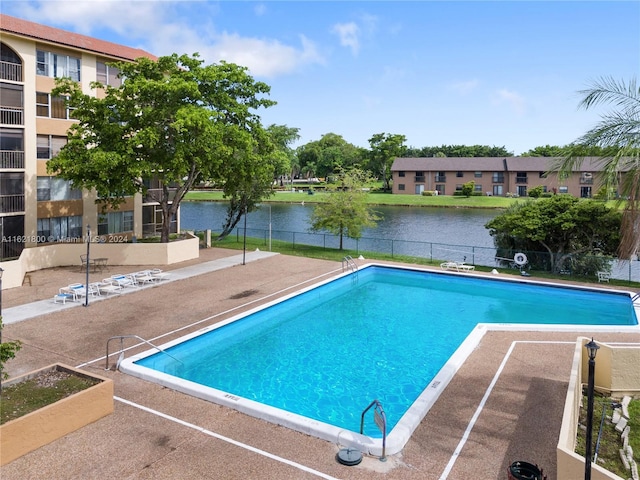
(592, 349)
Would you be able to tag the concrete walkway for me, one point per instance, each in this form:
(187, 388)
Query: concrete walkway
(42, 307)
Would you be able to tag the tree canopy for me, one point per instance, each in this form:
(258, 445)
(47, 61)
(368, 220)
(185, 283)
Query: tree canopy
(385, 147)
(562, 226)
(174, 120)
(618, 137)
(345, 211)
(330, 154)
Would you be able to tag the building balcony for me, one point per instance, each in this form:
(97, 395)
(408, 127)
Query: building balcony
(11, 71)
(498, 179)
(441, 178)
(11, 159)
(11, 115)
(521, 179)
(11, 203)
(153, 194)
(419, 178)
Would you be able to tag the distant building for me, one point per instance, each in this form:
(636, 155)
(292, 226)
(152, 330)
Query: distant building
(35, 207)
(496, 176)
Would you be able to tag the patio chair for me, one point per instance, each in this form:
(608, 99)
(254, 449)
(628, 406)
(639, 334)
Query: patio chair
(158, 274)
(603, 277)
(123, 280)
(143, 276)
(106, 287)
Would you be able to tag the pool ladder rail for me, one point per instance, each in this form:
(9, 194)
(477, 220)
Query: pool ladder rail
(122, 349)
(348, 263)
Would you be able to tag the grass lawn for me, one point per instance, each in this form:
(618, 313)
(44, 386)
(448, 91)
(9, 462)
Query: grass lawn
(374, 199)
(445, 201)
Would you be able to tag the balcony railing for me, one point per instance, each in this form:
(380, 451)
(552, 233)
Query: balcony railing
(11, 71)
(586, 180)
(521, 179)
(419, 178)
(11, 203)
(11, 159)
(441, 178)
(154, 193)
(498, 179)
(11, 115)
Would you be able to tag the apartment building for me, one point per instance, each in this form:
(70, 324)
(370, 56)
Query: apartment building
(492, 176)
(37, 208)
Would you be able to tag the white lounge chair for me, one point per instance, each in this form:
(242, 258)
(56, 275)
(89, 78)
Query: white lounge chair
(106, 287)
(604, 277)
(122, 280)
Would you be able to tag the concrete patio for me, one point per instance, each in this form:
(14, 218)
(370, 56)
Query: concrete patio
(504, 404)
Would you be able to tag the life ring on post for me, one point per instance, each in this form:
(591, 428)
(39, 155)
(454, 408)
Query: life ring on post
(520, 259)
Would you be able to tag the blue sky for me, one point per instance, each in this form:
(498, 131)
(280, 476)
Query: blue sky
(439, 72)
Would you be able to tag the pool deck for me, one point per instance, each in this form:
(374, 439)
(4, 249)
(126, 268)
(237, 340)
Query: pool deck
(504, 404)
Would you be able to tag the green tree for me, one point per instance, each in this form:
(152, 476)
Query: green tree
(329, 155)
(467, 188)
(618, 137)
(7, 352)
(172, 119)
(562, 226)
(283, 158)
(345, 211)
(385, 147)
(536, 192)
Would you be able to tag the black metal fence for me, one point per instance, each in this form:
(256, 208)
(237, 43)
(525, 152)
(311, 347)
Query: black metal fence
(474, 255)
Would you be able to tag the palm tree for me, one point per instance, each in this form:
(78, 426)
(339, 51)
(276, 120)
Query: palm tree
(617, 136)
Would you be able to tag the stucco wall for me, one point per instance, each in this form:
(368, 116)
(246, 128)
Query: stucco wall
(616, 373)
(64, 254)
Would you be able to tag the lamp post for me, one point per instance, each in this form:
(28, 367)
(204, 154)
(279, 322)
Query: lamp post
(592, 348)
(244, 241)
(86, 286)
(1, 272)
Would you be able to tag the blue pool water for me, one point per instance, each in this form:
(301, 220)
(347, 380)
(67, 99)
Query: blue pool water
(327, 353)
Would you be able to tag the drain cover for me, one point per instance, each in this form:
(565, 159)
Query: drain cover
(349, 457)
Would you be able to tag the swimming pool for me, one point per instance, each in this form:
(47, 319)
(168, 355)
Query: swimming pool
(314, 360)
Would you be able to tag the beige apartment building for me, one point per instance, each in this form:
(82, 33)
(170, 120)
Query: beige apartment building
(37, 208)
(497, 176)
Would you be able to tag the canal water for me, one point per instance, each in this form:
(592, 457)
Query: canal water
(456, 234)
(463, 226)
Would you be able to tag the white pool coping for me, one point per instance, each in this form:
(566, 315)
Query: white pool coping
(400, 434)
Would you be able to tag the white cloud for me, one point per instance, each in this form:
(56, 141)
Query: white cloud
(157, 28)
(349, 34)
(512, 99)
(267, 58)
(464, 88)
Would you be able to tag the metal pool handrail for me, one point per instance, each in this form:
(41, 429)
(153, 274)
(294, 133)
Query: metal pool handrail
(122, 337)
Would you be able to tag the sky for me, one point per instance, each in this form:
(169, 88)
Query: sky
(496, 73)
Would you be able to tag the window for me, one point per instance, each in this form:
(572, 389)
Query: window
(497, 190)
(59, 228)
(459, 174)
(521, 177)
(401, 174)
(53, 188)
(542, 174)
(48, 146)
(115, 222)
(563, 190)
(498, 177)
(401, 187)
(441, 177)
(54, 107)
(107, 75)
(12, 104)
(477, 174)
(419, 177)
(458, 187)
(57, 65)
(477, 188)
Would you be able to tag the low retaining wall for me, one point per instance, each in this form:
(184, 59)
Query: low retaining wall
(64, 254)
(43, 426)
(617, 374)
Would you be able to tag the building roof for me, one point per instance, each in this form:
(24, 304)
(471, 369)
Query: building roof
(494, 164)
(44, 33)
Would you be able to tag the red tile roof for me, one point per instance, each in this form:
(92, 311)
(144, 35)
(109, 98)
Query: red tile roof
(70, 39)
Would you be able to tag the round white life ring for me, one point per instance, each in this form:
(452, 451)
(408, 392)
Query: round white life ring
(520, 259)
